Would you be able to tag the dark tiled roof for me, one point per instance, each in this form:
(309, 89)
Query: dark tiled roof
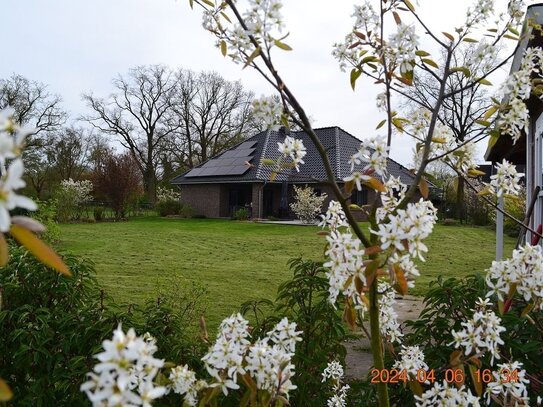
(339, 144)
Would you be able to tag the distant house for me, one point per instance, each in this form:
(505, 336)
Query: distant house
(225, 183)
(527, 152)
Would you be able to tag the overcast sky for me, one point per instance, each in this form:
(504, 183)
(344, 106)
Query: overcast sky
(77, 46)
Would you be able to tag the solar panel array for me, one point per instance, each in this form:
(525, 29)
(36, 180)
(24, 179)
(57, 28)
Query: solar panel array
(231, 162)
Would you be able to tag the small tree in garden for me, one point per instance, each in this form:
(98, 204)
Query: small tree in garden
(70, 197)
(366, 269)
(308, 204)
(117, 178)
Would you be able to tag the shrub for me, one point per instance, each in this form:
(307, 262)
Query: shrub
(118, 179)
(304, 300)
(47, 215)
(308, 204)
(98, 213)
(449, 222)
(70, 197)
(165, 194)
(241, 214)
(168, 208)
(53, 325)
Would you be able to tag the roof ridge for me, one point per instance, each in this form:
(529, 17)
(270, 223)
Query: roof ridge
(263, 155)
(338, 158)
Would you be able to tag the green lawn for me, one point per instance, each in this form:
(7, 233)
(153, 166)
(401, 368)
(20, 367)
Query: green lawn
(237, 261)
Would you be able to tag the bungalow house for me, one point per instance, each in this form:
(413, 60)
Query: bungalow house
(527, 152)
(225, 183)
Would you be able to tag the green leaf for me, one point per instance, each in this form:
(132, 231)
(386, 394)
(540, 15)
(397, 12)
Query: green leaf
(39, 249)
(483, 122)
(191, 4)
(511, 37)
(355, 74)
(282, 45)
(409, 5)
(273, 176)
(421, 53)
(490, 112)
(209, 3)
(484, 81)
(513, 30)
(449, 36)
(430, 62)
(268, 161)
(381, 124)
(251, 58)
(467, 39)
(224, 48)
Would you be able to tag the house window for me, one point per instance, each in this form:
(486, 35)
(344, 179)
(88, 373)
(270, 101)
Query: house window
(360, 197)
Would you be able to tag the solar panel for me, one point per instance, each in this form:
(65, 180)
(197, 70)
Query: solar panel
(229, 154)
(246, 145)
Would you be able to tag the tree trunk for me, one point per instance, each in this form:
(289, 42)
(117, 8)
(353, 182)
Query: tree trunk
(149, 185)
(460, 213)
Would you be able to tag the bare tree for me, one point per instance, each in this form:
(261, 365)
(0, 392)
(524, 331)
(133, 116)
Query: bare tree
(33, 104)
(462, 111)
(215, 113)
(140, 115)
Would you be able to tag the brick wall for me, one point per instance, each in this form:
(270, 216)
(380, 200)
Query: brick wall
(204, 199)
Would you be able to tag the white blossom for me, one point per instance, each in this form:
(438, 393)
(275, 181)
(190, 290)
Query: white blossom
(411, 360)
(479, 13)
(402, 47)
(407, 229)
(125, 372)
(524, 271)
(184, 382)
(509, 384)
(441, 394)
(373, 155)
(285, 336)
(481, 333)
(506, 179)
(334, 373)
(515, 8)
(268, 110)
(334, 218)
(10, 182)
(388, 318)
(294, 149)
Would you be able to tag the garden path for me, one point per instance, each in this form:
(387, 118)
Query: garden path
(359, 360)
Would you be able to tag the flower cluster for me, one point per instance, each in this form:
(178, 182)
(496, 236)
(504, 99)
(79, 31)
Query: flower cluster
(479, 13)
(79, 191)
(12, 138)
(394, 192)
(334, 373)
(388, 318)
(268, 111)
(183, 381)
(514, 391)
(505, 180)
(515, 9)
(407, 229)
(441, 394)
(167, 195)
(402, 46)
(334, 218)
(517, 88)
(482, 57)
(126, 372)
(345, 266)
(481, 333)
(294, 149)
(372, 154)
(523, 272)
(263, 22)
(225, 358)
(349, 51)
(411, 360)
